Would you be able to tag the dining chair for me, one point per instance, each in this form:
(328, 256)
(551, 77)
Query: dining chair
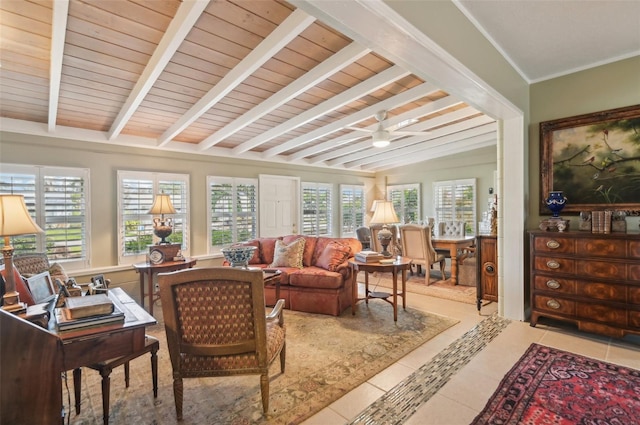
(416, 245)
(364, 236)
(216, 325)
(453, 228)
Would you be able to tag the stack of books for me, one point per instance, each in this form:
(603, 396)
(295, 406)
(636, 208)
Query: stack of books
(368, 256)
(88, 311)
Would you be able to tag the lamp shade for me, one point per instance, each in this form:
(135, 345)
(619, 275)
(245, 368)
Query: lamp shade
(162, 205)
(14, 217)
(384, 213)
(373, 205)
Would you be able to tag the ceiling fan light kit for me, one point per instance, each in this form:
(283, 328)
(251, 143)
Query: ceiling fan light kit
(380, 139)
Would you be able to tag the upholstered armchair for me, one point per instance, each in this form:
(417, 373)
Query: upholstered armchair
(416, 244)
(364, 236)
(216, 325)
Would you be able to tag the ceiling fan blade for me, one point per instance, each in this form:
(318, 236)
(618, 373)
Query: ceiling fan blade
(411, 133)
(359, 129)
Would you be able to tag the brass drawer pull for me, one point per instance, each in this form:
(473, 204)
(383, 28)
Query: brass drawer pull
(553, 304)
(553, 264)
(552, 244)
(553, 284)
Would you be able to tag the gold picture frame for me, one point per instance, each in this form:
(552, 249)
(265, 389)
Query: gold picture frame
(594, 159)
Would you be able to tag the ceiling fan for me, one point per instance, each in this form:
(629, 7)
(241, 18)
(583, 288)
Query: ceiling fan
(381, 137)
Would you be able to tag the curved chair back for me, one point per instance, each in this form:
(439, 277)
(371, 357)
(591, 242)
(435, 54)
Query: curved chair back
(364, 236)
(216, 326)
(451, 228)
(417, 245)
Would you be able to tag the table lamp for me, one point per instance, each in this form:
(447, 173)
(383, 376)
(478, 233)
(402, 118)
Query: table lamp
(162, 227)
(384, 214)
(14, 220)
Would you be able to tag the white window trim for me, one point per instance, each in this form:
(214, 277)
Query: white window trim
(402, 187)
(155, 177)
(39, 172)
(354, 188)
(316, 187)
(234, 182)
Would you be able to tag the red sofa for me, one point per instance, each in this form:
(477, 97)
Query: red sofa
(322, 285)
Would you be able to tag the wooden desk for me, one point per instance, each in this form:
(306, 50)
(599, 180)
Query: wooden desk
(149, 270)
(33, 358)
(401, 265)
(453, 244)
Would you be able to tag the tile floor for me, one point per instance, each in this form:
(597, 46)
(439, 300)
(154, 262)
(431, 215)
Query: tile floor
(449, 379)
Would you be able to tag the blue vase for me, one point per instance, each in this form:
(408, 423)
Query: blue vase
(556, 202)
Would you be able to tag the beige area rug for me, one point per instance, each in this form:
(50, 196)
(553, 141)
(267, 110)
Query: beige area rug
(326, 358)
(416, 284)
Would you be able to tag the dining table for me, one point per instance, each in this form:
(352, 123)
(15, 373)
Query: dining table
(454, 244)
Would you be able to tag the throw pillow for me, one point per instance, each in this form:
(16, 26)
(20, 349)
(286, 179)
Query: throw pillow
(57, 272)
(288, 255)
(333, 255)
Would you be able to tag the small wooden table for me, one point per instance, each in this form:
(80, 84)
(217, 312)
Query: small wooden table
(272, 277)
(399, 265)
(453, 244)
(149, 270)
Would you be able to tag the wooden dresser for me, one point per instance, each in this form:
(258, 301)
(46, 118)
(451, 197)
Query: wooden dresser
(592, 280)
(487, 268)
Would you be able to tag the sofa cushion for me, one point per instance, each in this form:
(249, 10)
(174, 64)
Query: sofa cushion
(288, 255)
(315, 277)
(57, 272)
(323, 241)
(334, 254)
(309, 247)
(256, 254)
(267, 248)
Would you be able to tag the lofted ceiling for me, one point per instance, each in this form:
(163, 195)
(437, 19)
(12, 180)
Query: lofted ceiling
(255, 79)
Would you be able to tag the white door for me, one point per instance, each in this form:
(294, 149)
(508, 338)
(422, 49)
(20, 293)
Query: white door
(279, 202)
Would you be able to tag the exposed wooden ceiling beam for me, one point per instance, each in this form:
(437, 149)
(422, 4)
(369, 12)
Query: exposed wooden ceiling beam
(184, 20)
(356, 92)
(58, 34)
(322, 71)
(274, 42)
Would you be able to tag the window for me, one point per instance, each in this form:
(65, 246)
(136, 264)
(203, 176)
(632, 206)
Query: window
(136, 192)
(316, 209)
(456, 200)
(406, 201)
(233, 211)
(58, 200)
(352, 209)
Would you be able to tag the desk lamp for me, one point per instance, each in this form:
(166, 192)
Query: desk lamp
(162, 227)
(14, 220)
(384, 214)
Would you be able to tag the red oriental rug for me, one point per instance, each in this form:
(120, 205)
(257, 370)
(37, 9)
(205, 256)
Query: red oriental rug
(550, 386)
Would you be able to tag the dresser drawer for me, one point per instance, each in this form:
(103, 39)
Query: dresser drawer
(602, 291)
(559, 285)
(555, 265)
(601, 269)
(554, 305)
(634, 249)
(601, 248)
(634, 319)
(601, 313)
(634, 296)
(554, 244)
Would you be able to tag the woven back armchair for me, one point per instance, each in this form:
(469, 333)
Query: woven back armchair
(216, 325)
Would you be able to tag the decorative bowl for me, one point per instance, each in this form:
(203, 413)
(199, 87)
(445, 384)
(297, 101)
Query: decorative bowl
(239, 256)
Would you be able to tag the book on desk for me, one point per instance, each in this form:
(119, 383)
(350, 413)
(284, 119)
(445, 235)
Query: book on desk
(368, 256)
(88, 311)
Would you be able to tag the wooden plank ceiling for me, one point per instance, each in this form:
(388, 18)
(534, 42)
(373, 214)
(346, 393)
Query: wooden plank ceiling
(255, 79)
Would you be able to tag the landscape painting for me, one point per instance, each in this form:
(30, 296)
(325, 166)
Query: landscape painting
(594, 159)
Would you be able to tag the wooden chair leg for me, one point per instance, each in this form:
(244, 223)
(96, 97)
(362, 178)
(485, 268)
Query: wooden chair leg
(154, 371)
(126, 375)
(177, 396)
(106, 393)
(77, 387)
(283, 355)
(264, 391)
